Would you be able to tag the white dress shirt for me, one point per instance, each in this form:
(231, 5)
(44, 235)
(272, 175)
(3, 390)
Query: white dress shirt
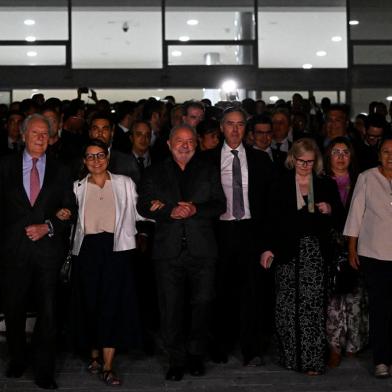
(227, 180)
(284, 146)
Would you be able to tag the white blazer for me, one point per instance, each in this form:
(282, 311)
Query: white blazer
(125, 197)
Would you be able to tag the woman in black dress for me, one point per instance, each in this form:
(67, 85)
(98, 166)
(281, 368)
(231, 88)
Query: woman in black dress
(301, 211)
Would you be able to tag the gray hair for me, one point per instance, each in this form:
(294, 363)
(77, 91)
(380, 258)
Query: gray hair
(182, 126)
(302, 146)
(34, 117)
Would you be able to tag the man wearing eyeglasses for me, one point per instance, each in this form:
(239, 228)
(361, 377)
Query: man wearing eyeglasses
(33, 188)
(368, 150)
(246, 175)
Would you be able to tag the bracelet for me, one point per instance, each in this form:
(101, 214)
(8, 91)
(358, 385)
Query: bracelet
(50, 227)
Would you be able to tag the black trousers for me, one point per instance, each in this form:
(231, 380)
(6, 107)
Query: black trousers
(378, 279)
(17, 286)
(106, 289)
(176, 278)
(245, 297)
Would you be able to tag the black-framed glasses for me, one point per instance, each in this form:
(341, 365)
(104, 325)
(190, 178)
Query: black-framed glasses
(99, 155)
(305, 163)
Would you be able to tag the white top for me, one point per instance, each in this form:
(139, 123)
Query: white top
(125, 196)
(227, 180)
(370, 215)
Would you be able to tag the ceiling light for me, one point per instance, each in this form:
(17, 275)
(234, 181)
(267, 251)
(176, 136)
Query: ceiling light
(321, 53)
(336, 38)
(229, 86)
(183, 38)
(176, 53)
(34, 90)
(353, 22)
(30, 38)
(192, 22)
(31, 53)
(273, 98)
(307, 66)
(389, 98)
(29, 22)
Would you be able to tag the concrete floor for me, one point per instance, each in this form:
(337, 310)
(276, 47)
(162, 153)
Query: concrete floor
(147, 374)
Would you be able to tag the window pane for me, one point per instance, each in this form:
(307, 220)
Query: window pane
(377, 54)
(374, 19)
(273, 96)
(210, 23)
(361, 98)
(18, 21)
(332, 95)
(210, 55)
(292, 37)
(5, 97)
(32, 55)
(116, 38)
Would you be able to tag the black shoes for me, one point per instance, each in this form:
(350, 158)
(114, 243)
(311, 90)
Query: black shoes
(175, 373)
(15, 370)
(196, 366)
(46, 383)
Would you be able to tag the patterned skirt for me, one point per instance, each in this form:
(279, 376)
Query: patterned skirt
(300, 308)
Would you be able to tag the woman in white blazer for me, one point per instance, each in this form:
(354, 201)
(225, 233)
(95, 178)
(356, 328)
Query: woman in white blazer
(104, 240)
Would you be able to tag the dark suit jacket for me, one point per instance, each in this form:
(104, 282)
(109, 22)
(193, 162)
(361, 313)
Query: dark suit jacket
(284, 230)
(121, 163)
(202, 187)
(16, 212)
(261, 175)
(121, 140)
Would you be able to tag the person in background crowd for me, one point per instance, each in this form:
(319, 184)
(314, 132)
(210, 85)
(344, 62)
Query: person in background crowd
(193, 113)
(300, 215)
(126, 115)
(368, 228)
(11, 141)
(208, 133)
(347, 317)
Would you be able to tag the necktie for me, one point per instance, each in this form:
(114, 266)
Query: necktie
(140, 162)
(34, 182)
(14, 146)
(278, 145)
(238, 198)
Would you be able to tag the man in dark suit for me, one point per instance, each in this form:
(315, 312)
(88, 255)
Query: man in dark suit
(126, 115)
(33, 188)
(243, 295)
(190, 197)
(10, 141)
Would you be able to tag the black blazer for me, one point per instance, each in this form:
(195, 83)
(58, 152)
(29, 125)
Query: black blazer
(283, 235)
(121, 163)
(261, 174)
(16, 212)
(202, 187)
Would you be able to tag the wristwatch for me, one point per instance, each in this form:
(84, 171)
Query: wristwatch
(50, 227)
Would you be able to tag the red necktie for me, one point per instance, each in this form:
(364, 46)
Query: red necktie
(34, 182)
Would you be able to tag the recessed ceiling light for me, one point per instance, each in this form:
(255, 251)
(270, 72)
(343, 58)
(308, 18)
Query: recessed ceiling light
(321, 53)
(273, 98)
(31, 53)
(353, 22)
(192, 22)
(176, 53)
(307, 66)
(336, 38)
(183, 38)
(30, 38)
(29, 22)
(389, 98)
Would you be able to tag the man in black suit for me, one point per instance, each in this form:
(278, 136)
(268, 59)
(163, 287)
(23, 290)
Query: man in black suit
(11, 141)
(33, 188)
(126, 115)
(243, 293)
(190, 197)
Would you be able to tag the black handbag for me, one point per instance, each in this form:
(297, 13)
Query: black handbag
(66, 268)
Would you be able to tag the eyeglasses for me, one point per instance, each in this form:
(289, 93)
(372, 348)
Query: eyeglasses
(303, 163)
(99, 155)
(340, 153)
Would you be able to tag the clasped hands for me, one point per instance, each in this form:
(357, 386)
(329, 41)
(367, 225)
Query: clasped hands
(38, 231)
(183, 210)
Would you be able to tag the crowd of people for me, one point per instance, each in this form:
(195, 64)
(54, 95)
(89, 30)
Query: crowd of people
(196, 230)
